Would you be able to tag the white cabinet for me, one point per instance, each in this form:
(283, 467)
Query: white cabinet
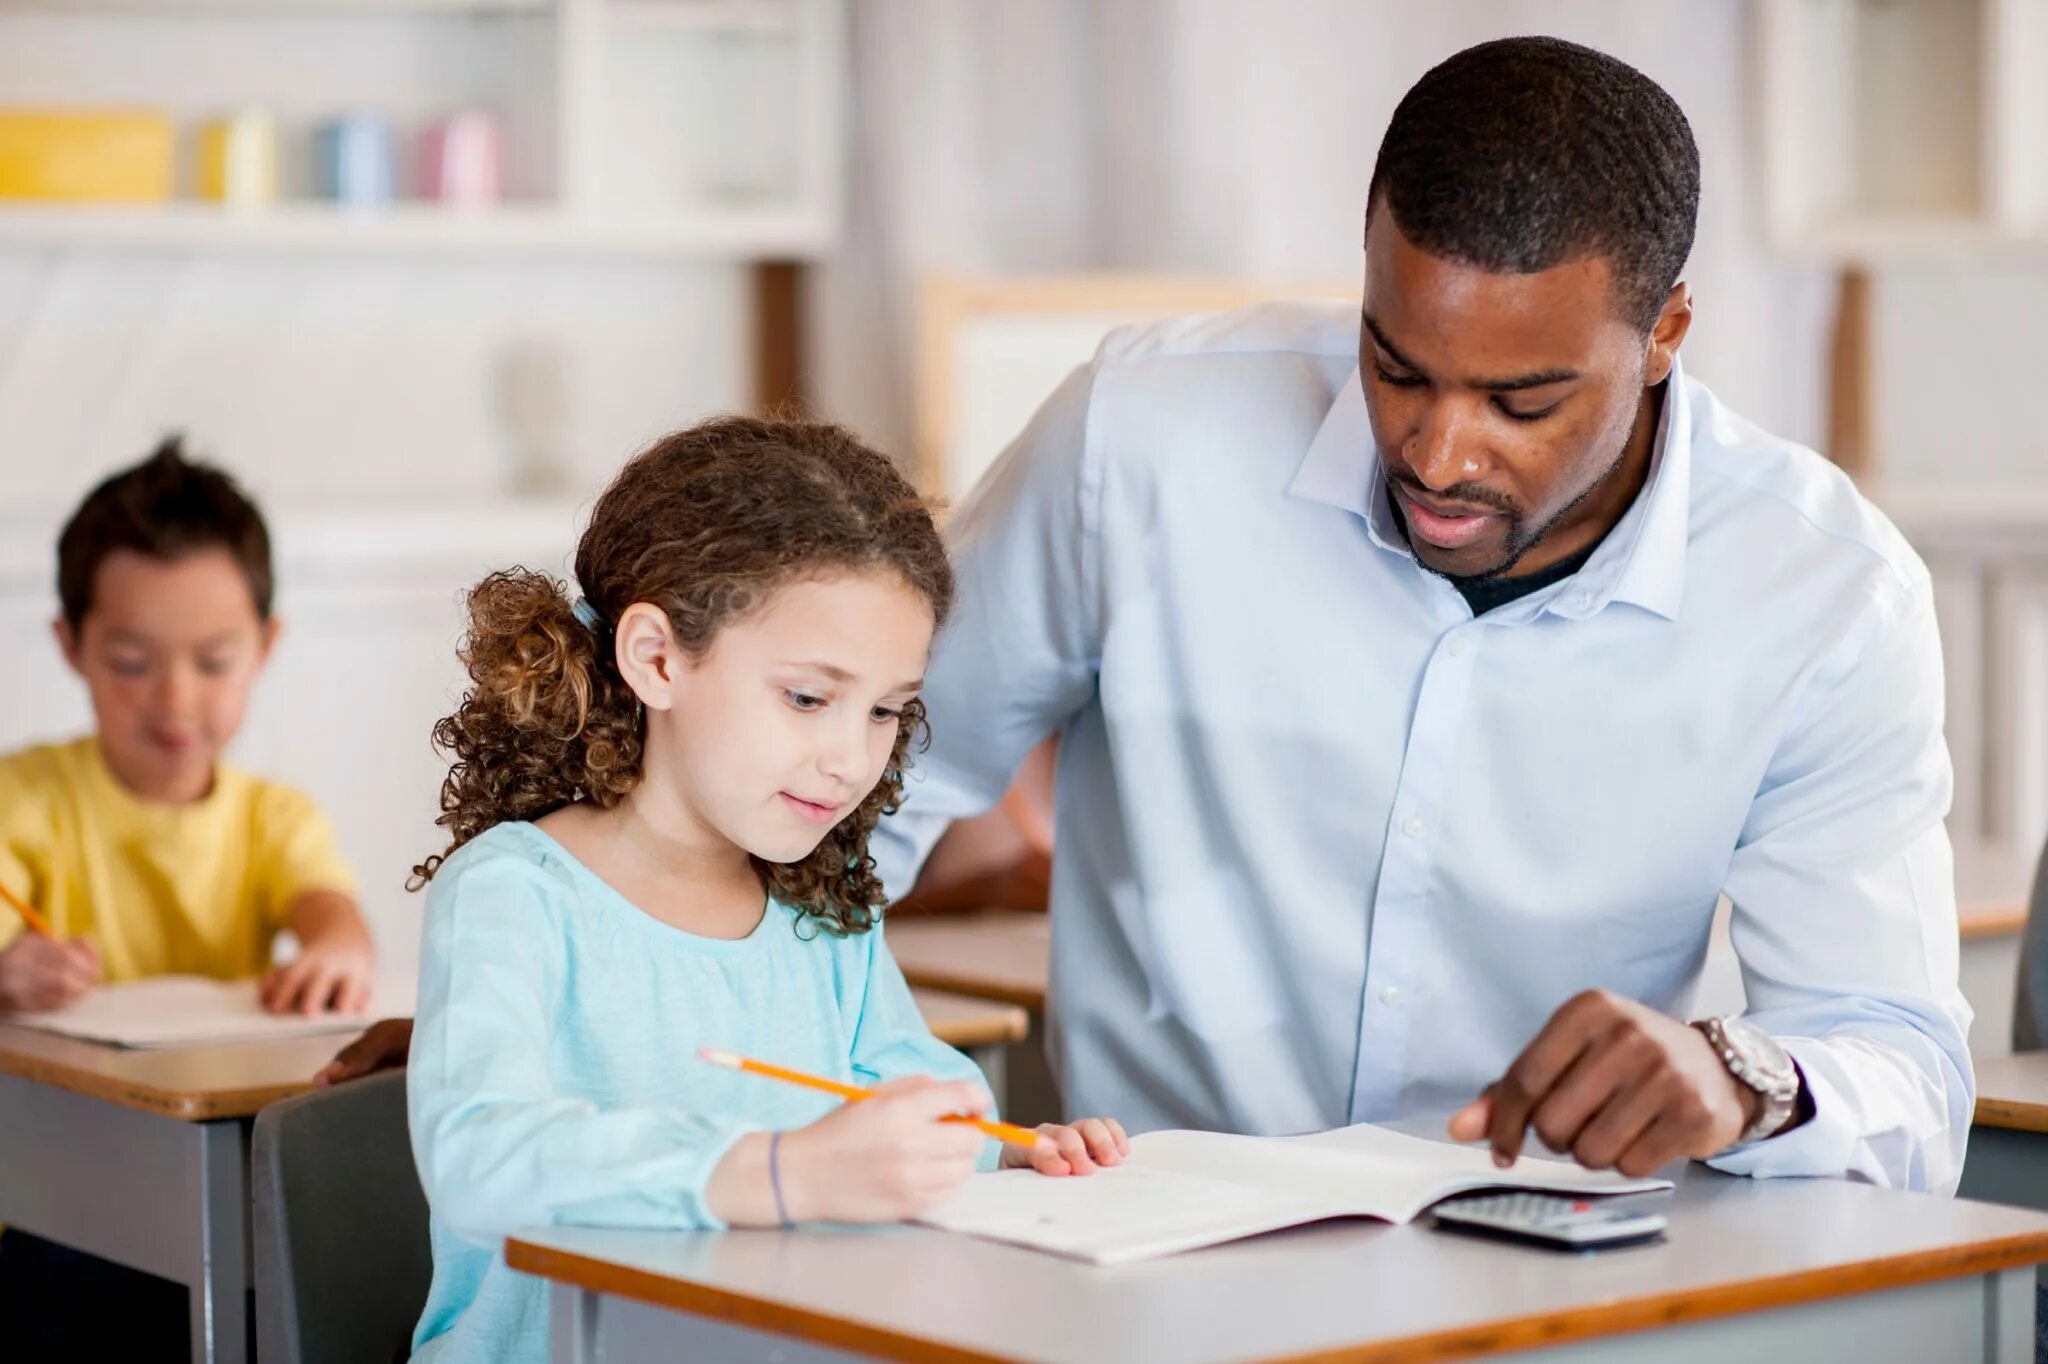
(698, 127)
(1902, 127)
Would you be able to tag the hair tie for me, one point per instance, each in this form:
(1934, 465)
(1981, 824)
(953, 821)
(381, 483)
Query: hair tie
(592, 620)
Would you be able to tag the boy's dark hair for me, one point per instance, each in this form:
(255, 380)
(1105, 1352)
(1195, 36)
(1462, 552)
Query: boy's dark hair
(165, 507)
(1525, 153)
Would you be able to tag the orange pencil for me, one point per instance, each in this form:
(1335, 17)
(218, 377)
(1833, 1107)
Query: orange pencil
(1001, 1131)
(28, 913)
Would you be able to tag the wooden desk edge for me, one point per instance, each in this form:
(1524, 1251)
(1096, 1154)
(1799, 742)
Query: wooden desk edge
(975, 987)
(1992, 920)
(1014, 1025)
(186, 1107)
(2018, 1115)
(1550, 1328)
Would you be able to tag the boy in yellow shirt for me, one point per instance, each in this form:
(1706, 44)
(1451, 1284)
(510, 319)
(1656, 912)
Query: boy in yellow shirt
(147, 853)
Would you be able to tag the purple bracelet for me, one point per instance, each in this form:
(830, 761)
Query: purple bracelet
(775, 1176)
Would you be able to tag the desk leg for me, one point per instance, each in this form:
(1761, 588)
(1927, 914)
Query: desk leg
(218, 1277)
(572, 1324)
(2009, 1316)
(140, 1189)
(993, 1061)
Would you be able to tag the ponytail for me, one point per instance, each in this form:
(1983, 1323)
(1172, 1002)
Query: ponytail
(546, 720)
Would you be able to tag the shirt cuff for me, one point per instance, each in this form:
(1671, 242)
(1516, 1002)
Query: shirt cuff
(1824, 1145)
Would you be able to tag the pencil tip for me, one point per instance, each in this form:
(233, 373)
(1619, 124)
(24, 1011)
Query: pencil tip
(718, 1058)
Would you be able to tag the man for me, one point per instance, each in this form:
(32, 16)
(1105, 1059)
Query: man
(1423, 684)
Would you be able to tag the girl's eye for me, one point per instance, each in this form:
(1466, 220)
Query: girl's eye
(883, 715)
(804, 700)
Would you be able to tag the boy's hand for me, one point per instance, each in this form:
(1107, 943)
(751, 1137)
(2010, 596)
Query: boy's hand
(382, 1046)
(1072, 1149)
(329, 975)
(39, 973)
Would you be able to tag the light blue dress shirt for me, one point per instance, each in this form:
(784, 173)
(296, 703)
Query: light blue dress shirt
(554, 1075)
(1330, 850)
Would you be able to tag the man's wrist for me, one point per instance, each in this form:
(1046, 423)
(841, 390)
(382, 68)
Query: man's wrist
(1768, 1081)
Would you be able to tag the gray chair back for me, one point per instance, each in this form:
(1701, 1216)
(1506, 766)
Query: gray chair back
(2030, 1003)
(342, 1259)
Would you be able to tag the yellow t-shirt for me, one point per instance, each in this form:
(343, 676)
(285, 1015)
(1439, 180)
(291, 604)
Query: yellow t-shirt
(199, 889)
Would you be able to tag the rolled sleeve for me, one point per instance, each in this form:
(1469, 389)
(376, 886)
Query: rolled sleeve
(1845, 917)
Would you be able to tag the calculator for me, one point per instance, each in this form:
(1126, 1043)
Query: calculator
(1560, 1223)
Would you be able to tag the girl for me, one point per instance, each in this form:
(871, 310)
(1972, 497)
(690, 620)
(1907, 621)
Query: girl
(660, 806)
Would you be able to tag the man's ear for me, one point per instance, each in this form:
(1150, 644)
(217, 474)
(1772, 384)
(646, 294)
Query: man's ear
(648, 656)
(1668, 334)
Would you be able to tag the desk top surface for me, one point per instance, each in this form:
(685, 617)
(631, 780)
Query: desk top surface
(197, 1084)
(2012, 1091)
(964, 1021)
(200, 1084)
(1000, 954)
(1356, 1291)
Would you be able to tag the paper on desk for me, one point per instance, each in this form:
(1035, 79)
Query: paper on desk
(183, 1011)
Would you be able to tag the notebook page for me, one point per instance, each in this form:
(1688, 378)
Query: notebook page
(1130, 1212)
(1401, 1175)
(175, 1011)
(1182, 1190)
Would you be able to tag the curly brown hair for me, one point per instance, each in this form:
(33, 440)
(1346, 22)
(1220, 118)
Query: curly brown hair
(706, 524)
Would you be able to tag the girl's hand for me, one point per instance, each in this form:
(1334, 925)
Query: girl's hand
(885, 1158)
(39, 973)
(1072, 1149)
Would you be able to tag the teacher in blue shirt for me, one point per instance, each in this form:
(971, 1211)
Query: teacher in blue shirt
(1425, 678)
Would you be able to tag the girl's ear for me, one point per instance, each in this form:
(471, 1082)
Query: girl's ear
(648, 655)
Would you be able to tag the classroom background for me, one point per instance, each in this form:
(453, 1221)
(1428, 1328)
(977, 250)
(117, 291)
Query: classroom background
(423, 272)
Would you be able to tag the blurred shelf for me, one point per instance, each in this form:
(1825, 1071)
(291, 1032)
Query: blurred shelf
(736, 233)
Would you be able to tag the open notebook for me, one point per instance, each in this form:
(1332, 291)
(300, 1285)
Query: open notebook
(183, 1011)
(1183, 1190)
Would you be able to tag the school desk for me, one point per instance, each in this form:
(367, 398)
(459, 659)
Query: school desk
(1793, 1269)
(142, 1157)
(2008, 1155)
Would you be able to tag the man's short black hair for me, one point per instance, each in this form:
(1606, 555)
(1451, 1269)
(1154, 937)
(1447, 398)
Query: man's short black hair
(1525, 153)
(165, 507)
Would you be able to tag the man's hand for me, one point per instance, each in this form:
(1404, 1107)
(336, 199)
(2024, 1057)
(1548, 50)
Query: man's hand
(1618, 1085)
(383, 1047)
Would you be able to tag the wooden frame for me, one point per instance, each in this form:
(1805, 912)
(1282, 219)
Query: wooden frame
(946, 303)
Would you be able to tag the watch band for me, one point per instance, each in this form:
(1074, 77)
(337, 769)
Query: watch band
(1759, 1063)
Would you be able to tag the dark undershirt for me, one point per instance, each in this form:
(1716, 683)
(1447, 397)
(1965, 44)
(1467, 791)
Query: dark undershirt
(1487, 594)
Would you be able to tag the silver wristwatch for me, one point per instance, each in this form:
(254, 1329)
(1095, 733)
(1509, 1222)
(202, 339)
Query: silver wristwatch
(1756, 1060)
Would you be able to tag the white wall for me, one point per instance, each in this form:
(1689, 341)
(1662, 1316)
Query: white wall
(1220, 136)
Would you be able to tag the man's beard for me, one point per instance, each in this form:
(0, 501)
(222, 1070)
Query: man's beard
(1520, 538)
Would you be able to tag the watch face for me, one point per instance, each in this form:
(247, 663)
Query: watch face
(1761, 1062)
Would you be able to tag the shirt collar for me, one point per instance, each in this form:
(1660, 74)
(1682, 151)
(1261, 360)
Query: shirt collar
(1642, 560)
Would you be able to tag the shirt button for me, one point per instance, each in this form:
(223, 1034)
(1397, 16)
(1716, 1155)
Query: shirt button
(1582, 601)
(1412, 827)
(1390, 994)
